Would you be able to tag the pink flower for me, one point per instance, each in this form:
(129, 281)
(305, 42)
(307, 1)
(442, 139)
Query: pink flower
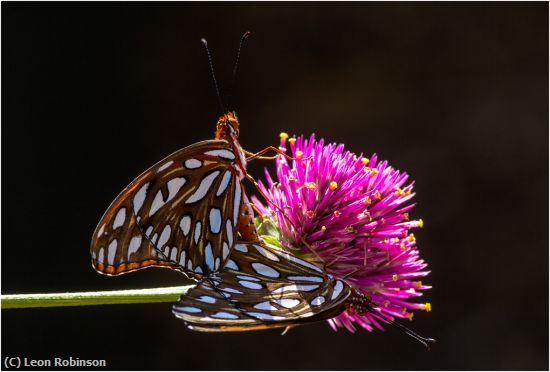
(349, 215)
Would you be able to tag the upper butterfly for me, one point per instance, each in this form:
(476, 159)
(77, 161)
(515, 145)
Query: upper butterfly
(183, 213)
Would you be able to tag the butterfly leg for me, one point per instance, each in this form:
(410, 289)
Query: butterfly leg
(259, 154)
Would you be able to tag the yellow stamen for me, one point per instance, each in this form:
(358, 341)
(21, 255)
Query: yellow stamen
(406, 216)
(367, 201)
(404, 310)
(373, 171)
(350, 229)
(402, 247)
(366, 169)
(299, 154)
(412, 238)
(283, 136)
(386, 303)
(420, 223)
(377, 195)
(394, 277)
(398, 191)
(418, 284)
(323, 228)
(365, 161)
(410, 316)
(333, 185)
(292, 140)
(309, 185)
(427, 307)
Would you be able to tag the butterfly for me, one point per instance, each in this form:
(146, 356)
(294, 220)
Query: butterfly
(263, 287)
(183, 213)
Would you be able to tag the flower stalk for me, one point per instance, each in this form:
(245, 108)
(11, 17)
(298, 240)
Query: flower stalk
(132, 296)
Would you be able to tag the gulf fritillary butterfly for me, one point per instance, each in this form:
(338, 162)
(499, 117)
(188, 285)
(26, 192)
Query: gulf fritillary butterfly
(184, 212)
(262, 287)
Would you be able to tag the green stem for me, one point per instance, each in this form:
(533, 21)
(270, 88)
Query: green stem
(132, 296)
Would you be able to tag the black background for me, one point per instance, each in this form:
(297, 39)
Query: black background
(454, 94)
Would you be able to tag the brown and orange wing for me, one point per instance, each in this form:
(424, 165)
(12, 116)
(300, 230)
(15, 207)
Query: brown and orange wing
(262, 287)
(181, 213)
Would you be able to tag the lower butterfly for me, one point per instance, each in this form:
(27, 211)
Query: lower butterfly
(262, 287)
(265, 287)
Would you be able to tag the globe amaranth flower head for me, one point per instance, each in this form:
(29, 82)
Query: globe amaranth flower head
(349, 215)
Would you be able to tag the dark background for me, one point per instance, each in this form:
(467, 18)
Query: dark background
(454, 94)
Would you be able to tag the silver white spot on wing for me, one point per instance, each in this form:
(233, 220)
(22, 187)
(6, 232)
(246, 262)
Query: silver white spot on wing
(224, 315)
(306, 278)
(189, 309)
(265, 306)
(158, 202)
(120, 218)
(337, 289)
(193, 164)
(203, 188)
(111, 252)
(174, 186)
(251, 285)
(139, 198)
(295, 288)
(209, 256)
(229, 232)
(236, 203)
(288, 303)
(224, 154)
(149, 231)
(241, 248)
(100, 231)
(197, 233)
(134, 245)
(225, 182)
(207, 299)
(190, 265)
(164, 166)
(265, 270)
(249, 278)
(198, 270)
(225, 251)
(231, 265)
(231, 290)
(215, 219)
(267, 254)
(164, 236)
(318, 301)
(101, 255)
(182, 259)
(154, 238)
(185, 224)
(217, 263)
(174, 254)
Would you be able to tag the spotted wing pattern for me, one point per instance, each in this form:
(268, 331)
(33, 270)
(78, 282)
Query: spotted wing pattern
(182, 213)
(262, 287)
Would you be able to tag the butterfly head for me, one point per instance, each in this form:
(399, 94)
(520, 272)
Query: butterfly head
(227, 127)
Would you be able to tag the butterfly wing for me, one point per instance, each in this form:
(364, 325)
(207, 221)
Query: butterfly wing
(181, 213)
(262, 287)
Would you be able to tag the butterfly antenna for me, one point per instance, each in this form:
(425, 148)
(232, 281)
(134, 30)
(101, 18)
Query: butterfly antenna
(243, 38)
(205, 43)
(427, 342)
